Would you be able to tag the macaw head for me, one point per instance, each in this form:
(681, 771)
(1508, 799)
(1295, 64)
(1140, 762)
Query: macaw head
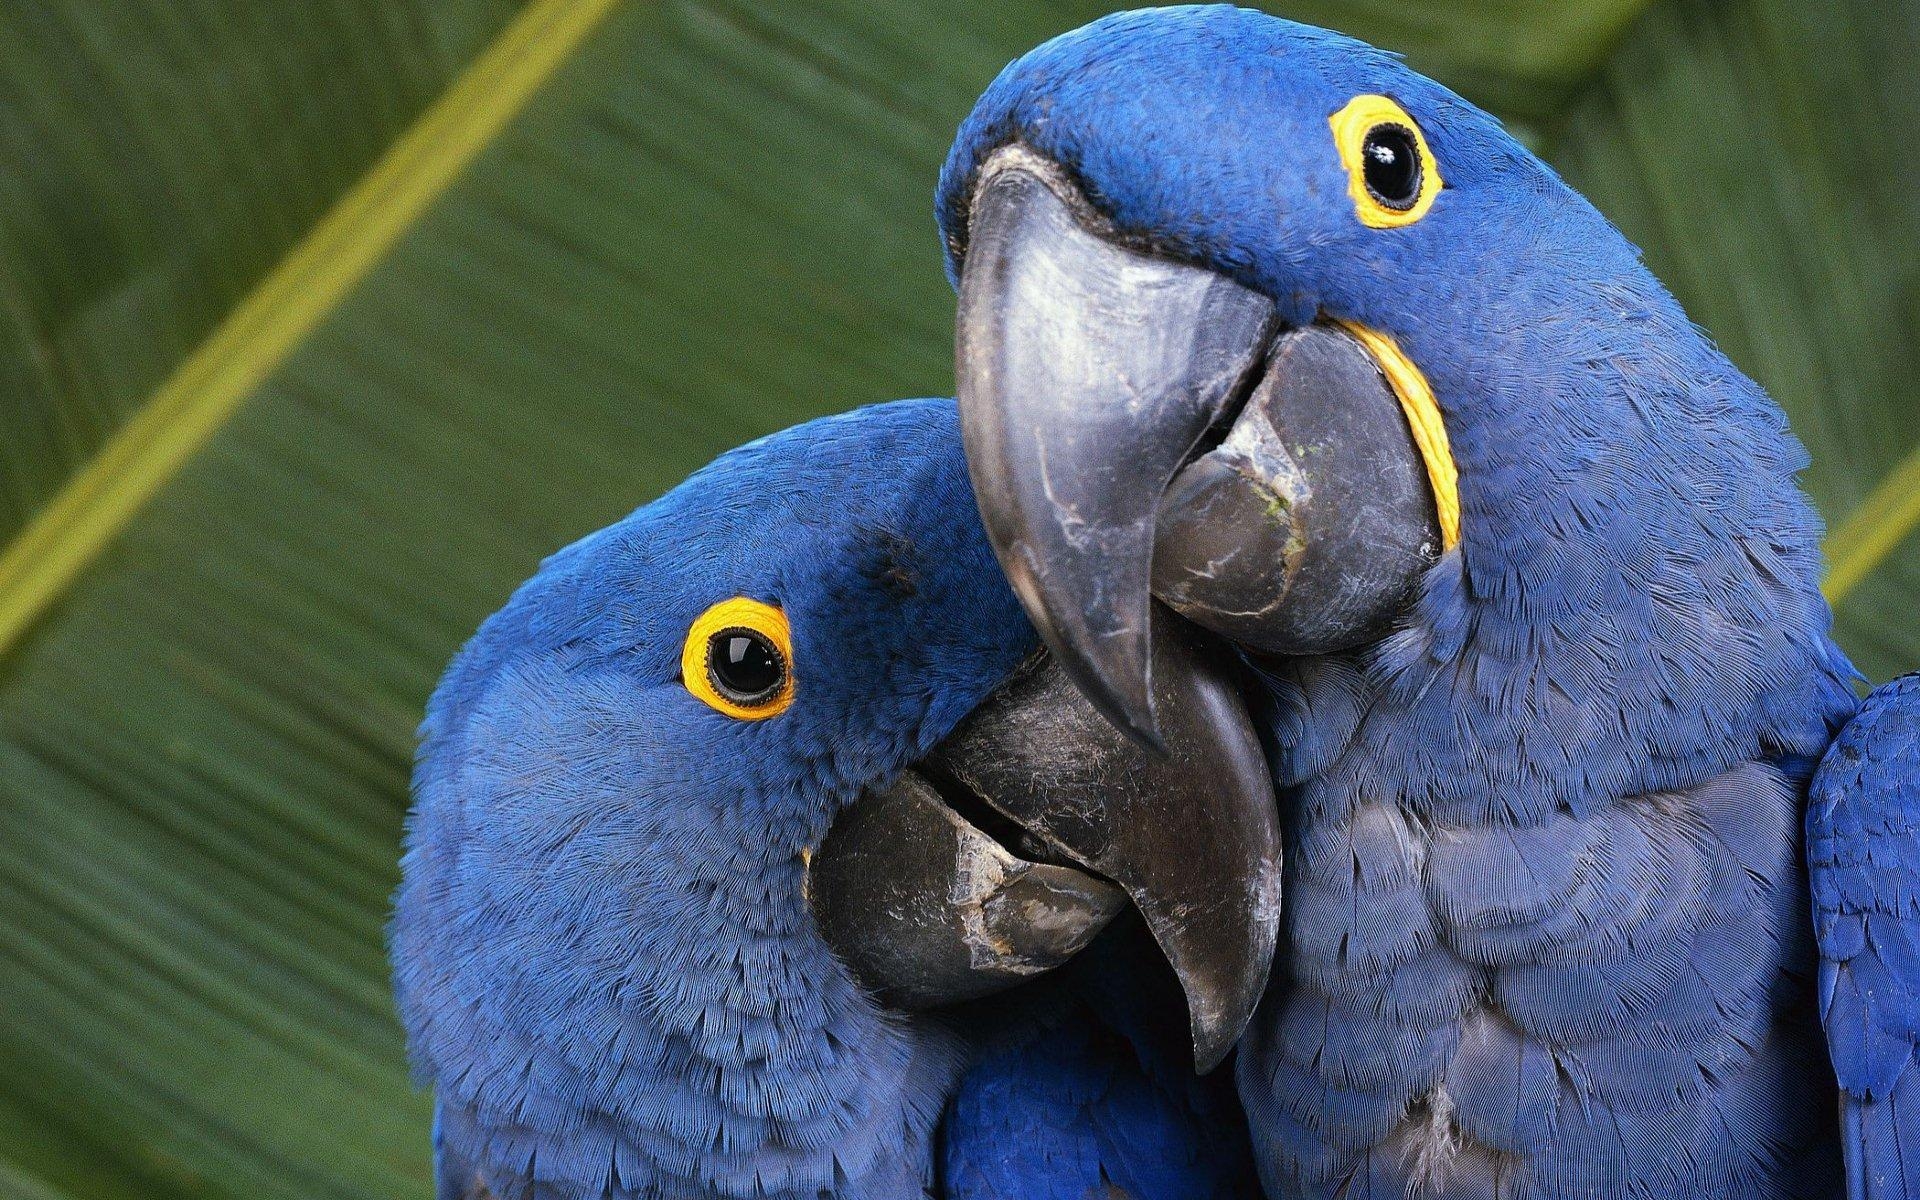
(1259, 322)
(734, 789)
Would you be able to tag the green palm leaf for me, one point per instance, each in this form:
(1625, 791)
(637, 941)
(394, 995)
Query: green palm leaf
(323, 322)
(1754, 151)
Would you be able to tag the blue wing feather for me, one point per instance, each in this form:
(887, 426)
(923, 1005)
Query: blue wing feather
(1071, 1115)
(1863, 850)
(1100, 1103)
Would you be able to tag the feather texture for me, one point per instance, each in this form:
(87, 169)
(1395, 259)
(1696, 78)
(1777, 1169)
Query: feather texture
(1545, 929)
(602, 950)
(1863, 851)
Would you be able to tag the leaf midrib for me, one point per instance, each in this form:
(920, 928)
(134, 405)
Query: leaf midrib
(98, 502)
(277, 315)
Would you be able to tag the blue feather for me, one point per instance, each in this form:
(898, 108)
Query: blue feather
(1863, 850)
(1097, 1097)
(1073, 1113)
(1549, 825)
(602, 951)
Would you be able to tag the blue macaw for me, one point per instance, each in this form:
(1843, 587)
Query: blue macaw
(729, 825)
(1256, 322)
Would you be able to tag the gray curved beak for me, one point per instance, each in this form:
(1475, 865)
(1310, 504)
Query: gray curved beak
(926, 908)
(1191, 833)
(1036, 821)
(1141, 433)
(1137, 428)
(1087, 374)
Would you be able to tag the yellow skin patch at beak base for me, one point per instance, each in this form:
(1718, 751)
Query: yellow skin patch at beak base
(737, 613)
(1423, 415)
(1350, 126)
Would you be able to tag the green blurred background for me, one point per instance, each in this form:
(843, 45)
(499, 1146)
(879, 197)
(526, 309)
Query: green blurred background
(711, 219)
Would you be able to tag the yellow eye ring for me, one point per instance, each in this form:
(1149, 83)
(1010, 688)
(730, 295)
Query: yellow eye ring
(1392, 176)
(738, 659)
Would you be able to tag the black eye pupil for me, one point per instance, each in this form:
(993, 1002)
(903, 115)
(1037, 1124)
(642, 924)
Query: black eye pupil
(1390, 162)
(745, 666)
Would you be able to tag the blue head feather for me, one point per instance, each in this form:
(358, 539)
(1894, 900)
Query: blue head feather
(603, 956)
(1634, 604)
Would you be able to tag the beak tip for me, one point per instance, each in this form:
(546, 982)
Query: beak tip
(1217, 1027)
(1140, 723)
(1209, 1051)
(1123, 697)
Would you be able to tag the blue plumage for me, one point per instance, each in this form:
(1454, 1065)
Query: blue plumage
(1863, 849)
(603, 956)
(1069, 1114)
(1098, 1098)
(602, 953)
(1545, 924)
(1546, 912)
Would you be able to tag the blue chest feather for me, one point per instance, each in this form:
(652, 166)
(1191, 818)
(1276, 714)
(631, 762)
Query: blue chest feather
(1613, 1004)
(1864, 855)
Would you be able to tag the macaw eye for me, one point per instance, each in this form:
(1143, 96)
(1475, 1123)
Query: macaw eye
(738, 659)
(1391, 174)
(745, 666)
(1390, 163)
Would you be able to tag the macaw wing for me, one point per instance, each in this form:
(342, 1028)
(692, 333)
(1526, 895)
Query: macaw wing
(1070, 1115)
(1100, 1102)
(1863, 851)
